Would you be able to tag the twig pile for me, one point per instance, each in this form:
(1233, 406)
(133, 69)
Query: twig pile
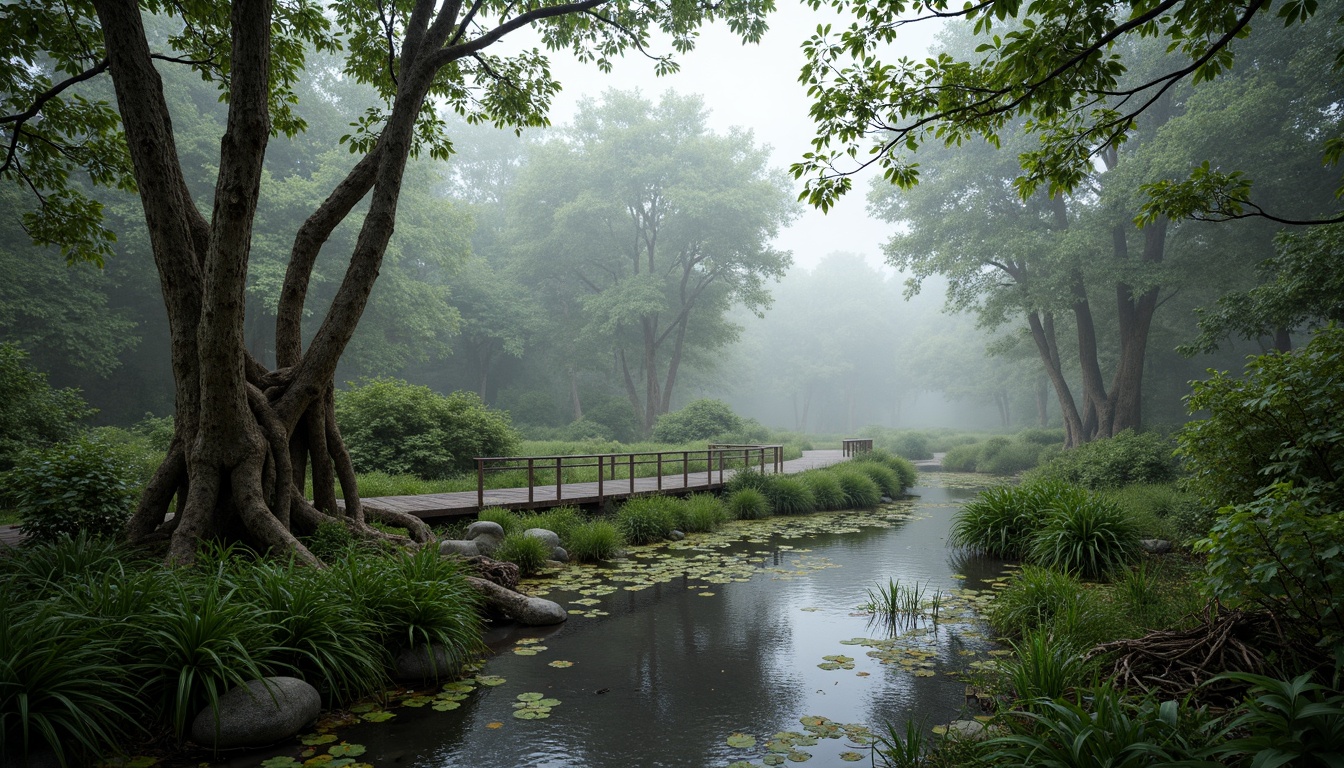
(1174, 663)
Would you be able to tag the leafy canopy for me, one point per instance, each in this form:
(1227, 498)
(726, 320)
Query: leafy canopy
(1055, 64)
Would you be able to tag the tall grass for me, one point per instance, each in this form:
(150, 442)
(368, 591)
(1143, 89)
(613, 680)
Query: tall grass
(646, 519)
(702, 512)
(789, 495)
(826, 489)
(1001, 522)
(527, 552)
(593, 541)
(748, 504)
(1044, 667)
(1085, 534)
(860, 490)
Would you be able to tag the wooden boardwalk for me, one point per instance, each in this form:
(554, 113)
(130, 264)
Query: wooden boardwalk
(464, 503)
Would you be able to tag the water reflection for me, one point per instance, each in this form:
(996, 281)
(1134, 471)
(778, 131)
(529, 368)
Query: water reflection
(670, 673)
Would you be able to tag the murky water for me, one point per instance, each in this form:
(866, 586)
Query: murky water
(681, 647)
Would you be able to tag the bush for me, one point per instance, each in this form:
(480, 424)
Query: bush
(911, 445)
(747, 478)
(748, 504)
(1129, 457)
(1001, 522)
(157, 431)
(1085, 534)
(906, 474)
(1041, 437)
(789, 496)
(1010, 459)
(860, 490)
(400, 428)
(32, 414)
(80, 486)
(584, 430)
(529, 553)
(646, 519)
(618, 417)
(1037, 598)
(702, 512)
(699, 420)
(962, 458)
(825, 489)
(888, 481)
(592, 541)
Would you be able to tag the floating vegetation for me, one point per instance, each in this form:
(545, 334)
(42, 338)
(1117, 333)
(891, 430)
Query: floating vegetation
(561, 664)
(533, 706)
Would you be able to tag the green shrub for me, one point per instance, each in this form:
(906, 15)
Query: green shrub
(789, 496)
(1043, 666)
(826, 489)
(507, 520)
(60, 686)
(529, 553)
(1036, 598)
(703, 512)
(617, 416)
(84, 485)
(593, 540)
(1002, 521)
(748, 504)
(583, 430)
(1129, 457)
(1042, 437)
(911, 445)
(1158, 510)
(331, 540)
(32, 414)
(887, 479)
(315, 635)
(699, 420)
(646, 519)
(400, 428)
(860, 490)
(747, 478)
(1010, 459)
(1085, 534)
(961, 458)
(156, 430)
(1284, 722)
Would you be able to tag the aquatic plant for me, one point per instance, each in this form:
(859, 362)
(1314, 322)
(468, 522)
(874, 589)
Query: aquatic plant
(901, 750)
(1085, 534)
(1044, 666)
(1034, 599)
(702, 512)
(860, 490)
(593, 540)
(962, 458)
(748, 504)
(1001, 522)
(529, 553)
(825, 488)
(789, 496)
(887, 479)
(646, 519)
(747, 478)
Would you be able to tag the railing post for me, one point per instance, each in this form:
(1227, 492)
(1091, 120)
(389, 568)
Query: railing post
(480, 483)
(685, 469)
(660, 470)
(632, 474)
(599, 479)
(709, 467)
(529, 479)
(559, 478)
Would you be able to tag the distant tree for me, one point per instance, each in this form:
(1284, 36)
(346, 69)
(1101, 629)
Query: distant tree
(647, 228)
(246, 435)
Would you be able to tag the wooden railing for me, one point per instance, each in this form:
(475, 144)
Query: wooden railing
(620, 470)
(854, 446)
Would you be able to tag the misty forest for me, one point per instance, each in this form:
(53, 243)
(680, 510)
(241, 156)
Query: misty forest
(615, 382)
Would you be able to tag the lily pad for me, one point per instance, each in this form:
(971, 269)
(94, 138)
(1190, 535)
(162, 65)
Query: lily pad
(378, 717)
(798, 757)
(560, 664)
(773, 759)
(532, 714)
(416, 701)
(851, 757)
(490, 680)
(741, 741)
(345, 749)
(495, 725)
(314, 739)
(530, 696)
(445, 705)
(281, 762)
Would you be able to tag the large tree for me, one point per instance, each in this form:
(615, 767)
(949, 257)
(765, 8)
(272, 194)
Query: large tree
(649, 227)
(246, 436)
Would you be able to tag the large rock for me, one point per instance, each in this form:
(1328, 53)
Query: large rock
(257, 714)
(969, 730)
(503, 573)
(530, 611)
(1155, 546)
(549, 538)
(487, 535)
(430, 662)
(560, 555)
(459, 547)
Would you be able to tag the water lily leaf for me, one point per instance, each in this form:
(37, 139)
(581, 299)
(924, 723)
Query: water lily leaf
(559, 664)
(809, 610)
(924, 673)
(461, 686)
(862, 674)
(378, 717)
(798, 757)
(529, 641)
(813, 720)
(805, 741)
(741, 764)
(525, 651)
(939, 730)
(828, 665)
(531, 714)
(490, 680)
(322, 760)
(706, 594)
(281, 762)
(530, 696)
(445, 706)
(779, 745)
(345, 749)
(741, 741)
(362, 708)
(313, 739)
(773, 760)
(451, 697)
(494, 726)
(416, 701)
(851, 757)
(547, 703)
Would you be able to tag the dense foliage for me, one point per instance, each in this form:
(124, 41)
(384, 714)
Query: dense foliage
(396, 427)
(1129, 457)
(698, 420)
(32, 413)
(85, 485)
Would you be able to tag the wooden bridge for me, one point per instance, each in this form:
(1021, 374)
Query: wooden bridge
(617, 478)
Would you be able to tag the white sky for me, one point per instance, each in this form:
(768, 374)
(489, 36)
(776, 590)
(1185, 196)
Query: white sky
(754, 87)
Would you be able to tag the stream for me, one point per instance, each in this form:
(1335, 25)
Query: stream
(748, 646)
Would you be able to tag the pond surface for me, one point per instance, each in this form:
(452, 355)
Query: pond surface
(687, 653)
